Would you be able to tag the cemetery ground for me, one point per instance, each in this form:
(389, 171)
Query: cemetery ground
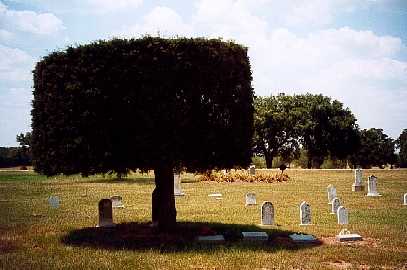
(33, 235)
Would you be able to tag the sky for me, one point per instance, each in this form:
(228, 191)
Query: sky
(354, 51)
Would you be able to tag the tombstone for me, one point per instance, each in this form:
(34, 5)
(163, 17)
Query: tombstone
(177, 185)
(342, 214)
(251, 198)
(117, 201)
(219, 238)
(335, 205)
(345, 235)
(252, 169)
(405, 199)
(331, 193)
(303, 238)
(53, 201)
(358, 185)
(372, 186)
(105, 213)
(305, 213)
(267, 213)
(255, 236)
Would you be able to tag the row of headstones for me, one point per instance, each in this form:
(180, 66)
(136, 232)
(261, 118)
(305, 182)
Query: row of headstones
(336, 208)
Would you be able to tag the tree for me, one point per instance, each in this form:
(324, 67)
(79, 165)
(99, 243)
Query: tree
(147, 103)
(402, 145)
(327, 129)
(276, 127)
(376, 149)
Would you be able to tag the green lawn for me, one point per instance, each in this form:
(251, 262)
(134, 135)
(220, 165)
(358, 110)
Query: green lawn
(35, 236)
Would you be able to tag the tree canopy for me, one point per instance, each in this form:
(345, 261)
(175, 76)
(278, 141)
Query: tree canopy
(402, 145)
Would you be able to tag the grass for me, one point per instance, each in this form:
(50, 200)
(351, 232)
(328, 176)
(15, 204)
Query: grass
(35, 236)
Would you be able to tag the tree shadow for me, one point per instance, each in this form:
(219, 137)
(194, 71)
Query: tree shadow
(142, 237)
(127, 180)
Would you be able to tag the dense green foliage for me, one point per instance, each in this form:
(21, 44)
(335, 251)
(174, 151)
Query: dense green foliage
(319, 125)
(13, 156)
(376, 149)
(127, 104)
(402, 145)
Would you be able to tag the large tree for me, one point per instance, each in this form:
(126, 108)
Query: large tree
(148, 103)
(402, 145)
(376, 149)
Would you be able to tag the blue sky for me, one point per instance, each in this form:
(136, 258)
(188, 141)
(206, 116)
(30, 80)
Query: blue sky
(351, 50)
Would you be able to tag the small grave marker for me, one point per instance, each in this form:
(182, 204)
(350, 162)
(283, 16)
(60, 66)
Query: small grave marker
(251, 198)
(105, 213)
(305, 213)
(252, 169)
(117, 201)
(358, 185)
(53, 201)
(345, 235)
(303, 238)
(405, 199)
(335, 205)
(372, 186)
(211, 238)
(331, 193)
(267, 213)
(342, 214)
(177, 185)
(255, 236)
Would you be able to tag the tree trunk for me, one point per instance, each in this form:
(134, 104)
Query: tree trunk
(164, 214)
(309, 163)
(269, 160)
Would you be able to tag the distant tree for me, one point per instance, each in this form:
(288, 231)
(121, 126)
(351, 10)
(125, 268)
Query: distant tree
(402, 145)
(148, 103)
(376, 149)
(276, 127)
(327, 129)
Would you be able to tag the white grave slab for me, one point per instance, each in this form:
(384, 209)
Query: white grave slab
(267, 213)
(211, 238)
(251, 198)
(372, 186)
(405, 199)
(305, 213)
(177, 185)
(252, 170)
(342, 215)
(117, 201)
(331, 193)
(335, 205)
(345, 235)
(255, 236)
(105, 213)
(54, 201)
(358, 185)
(303, 238)
(215, 195)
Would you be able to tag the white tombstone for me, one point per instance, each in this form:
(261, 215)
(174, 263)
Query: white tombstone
(251, 198)
(358, 185)
(267, 213)
(405, 199)
(345, 235)
(105, 213)
(252, 169)
(53, 201)
(117, 201)
(331, 193)
(372, 186)
(305, 213)
(342, 214)
(177, 185)
(335, 205)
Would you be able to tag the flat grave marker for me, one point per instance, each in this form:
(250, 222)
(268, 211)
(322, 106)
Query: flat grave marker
(255, 236)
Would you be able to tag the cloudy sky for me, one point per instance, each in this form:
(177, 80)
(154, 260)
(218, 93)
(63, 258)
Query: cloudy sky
(351, 50)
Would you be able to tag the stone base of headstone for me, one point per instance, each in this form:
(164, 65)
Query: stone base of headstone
(179, 194)
(303, 238)
(358, 188)
(349, 237)
(306, 224)
(255, 236)
(373, 195)
(106, 225)
(211, 238)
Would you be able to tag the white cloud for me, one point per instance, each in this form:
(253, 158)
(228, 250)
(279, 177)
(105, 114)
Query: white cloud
(15, 65)
(104, 6)
(29, 21)
(5, 35)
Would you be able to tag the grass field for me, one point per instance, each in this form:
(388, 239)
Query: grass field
(35, 236)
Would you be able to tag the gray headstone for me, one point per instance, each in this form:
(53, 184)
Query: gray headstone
(342, 214)
(211, 238)
(105, 213)
(267, 213)
(117, 201)
(53, 201)
(305, 213)
(331, 193)
(358, 184)
(405, 199)
(255, 236)
(335, 205)
(303, 238)
(177, 185)
(372, 186)
(252, 169)
(251, 198)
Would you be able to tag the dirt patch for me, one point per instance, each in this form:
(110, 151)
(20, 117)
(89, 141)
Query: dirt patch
(339, 265)
(366, 242)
